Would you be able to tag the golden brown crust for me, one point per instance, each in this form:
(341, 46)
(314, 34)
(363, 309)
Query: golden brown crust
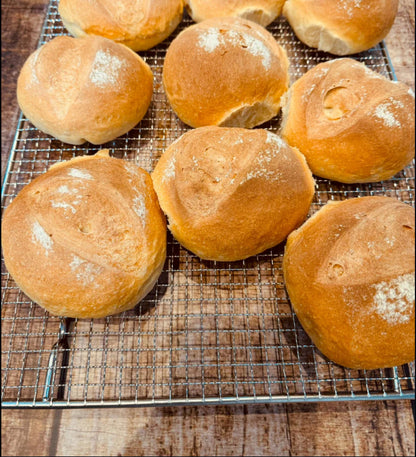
(352, 124)
(84, 89)
(138, 24)
(350, 274)
(87, 238)
(231, 193)
(341, 27)
(225, 71)
(262, 12)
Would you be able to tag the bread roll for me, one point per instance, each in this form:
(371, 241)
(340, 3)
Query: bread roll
(231, 193)
(352, 124)
(228, 72)
(84, 89)
(341, 27)
(261, 11)
(87, 238)
(138, 24)
(350, 274)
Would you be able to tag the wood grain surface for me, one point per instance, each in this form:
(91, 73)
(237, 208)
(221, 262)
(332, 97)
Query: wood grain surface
(353, 428)
(361, 428)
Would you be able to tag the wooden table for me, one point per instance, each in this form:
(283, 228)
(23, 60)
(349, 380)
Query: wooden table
(353, 428)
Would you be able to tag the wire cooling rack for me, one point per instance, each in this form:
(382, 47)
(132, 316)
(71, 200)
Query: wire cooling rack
(208, 332)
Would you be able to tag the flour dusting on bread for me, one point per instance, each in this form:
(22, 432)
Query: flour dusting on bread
(212, 38)
(105, 69)
(373, 74)
(139, 207)
(64, 189)
(33, 74)
(63, 205)
(87, 238)
(349, 6)
(40, 236)
(85, 272)
(254, 46)
(274, 139)
(77, 173)
(383, 112)
(170, 169)
(394, 299)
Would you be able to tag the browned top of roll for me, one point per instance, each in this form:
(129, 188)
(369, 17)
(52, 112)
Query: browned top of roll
(350, 274)
(230, 193)
(341, 27)
(262, 12)
(87, 238)
(84, 89)
(138, 24)
(225, 71)
(351, 123)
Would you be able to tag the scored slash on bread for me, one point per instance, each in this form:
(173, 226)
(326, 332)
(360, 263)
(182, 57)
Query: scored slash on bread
(352, 124)
(84, 89)
(87, 238)
(231, 193)
(138, 24)
(350, 274)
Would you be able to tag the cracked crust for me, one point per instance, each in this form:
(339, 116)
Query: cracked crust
(341, 27)
(263, 12)
(228, 72)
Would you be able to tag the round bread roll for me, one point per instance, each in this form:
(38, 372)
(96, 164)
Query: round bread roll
(352, 124)
(350, 275)
(227, 71)
(87, 238)
(341, 27)
(84, 89)
(138, 24)
(231, 193)
(261, 11)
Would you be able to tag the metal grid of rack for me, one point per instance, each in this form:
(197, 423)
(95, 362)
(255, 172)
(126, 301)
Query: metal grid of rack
(208, 332)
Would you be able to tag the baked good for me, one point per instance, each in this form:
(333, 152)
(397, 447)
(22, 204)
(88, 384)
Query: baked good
(87, 238)
(262, 12)
(231, 193)
(349, 271)
(341, 27)
(84, 89)
(225, 71)
(138, 24)
(352, 124)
